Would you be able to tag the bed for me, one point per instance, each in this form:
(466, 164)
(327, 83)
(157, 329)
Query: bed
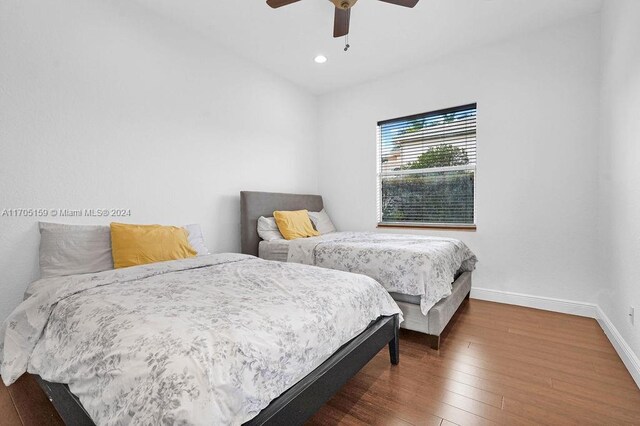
(428, 296)
(225, 339)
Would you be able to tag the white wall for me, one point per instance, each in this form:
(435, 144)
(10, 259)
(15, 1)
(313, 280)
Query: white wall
(104, 105)
(538, 110)
(620, 174)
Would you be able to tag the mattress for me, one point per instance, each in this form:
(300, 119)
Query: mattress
(307, 248)
(279, 249)
(415, 300)
(407, 298)
(404, 264)
(274, 250)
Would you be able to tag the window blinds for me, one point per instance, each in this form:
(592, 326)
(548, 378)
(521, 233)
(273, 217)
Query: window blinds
(426, 168)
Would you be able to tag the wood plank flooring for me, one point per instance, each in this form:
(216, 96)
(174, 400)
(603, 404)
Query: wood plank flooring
(499, 364)
(30, 405)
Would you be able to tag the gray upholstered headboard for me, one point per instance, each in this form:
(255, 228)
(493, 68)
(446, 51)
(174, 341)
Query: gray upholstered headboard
(255, 204)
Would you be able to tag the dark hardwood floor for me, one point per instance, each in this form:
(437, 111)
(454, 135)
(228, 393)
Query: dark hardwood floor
(499, 364)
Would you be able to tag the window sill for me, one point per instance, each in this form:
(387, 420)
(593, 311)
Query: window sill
(446, 227)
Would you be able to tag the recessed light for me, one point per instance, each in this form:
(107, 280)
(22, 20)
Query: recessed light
(320, 59)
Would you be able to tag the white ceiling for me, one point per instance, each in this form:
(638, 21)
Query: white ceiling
(384, 38)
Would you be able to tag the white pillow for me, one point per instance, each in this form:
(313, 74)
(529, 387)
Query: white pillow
(85, 249)
(322, 222)
(196, 239)
(268, 229)
(74, 249)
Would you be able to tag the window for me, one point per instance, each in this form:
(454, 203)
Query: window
(426, 169)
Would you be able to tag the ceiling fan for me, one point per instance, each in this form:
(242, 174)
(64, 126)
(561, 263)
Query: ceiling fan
(343, 11)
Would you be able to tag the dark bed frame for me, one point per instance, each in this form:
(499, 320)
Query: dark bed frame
(295, 405)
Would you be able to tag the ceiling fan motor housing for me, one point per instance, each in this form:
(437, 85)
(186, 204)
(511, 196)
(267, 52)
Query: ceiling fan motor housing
(344, 4)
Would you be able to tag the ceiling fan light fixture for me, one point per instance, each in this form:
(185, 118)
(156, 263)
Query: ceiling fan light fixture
(320, 59)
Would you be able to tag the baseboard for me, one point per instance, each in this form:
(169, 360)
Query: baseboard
(590, 310)
(582, 309)
(629, 358)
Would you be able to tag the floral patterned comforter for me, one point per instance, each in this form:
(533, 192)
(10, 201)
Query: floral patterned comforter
(207, 340)
(409, 264)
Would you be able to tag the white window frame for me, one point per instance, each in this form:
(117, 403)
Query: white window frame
(381, 175)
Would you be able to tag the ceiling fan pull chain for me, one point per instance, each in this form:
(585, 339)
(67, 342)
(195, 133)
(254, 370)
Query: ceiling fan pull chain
(346, 43)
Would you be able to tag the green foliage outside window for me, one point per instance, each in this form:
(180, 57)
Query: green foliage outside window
(431, 197)
(445, 197)
(440, 156)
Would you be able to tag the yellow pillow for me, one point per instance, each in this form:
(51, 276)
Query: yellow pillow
(295, 224)
(133, 245)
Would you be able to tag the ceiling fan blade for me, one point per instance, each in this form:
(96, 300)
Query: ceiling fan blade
(341, 22)
(279, 3)
(405, 3)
